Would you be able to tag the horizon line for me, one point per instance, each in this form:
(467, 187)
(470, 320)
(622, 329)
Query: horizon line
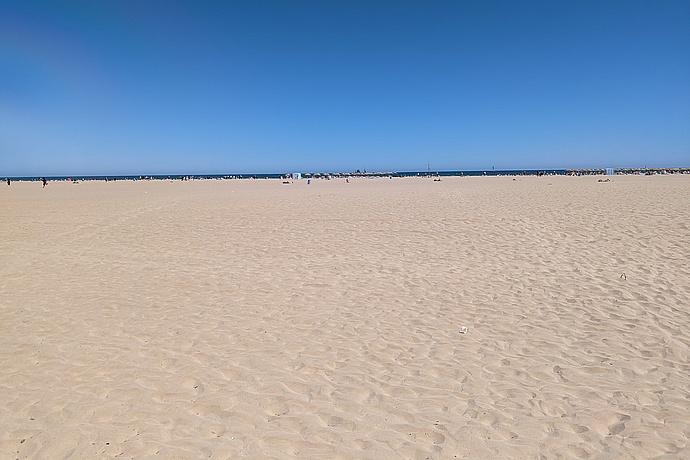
(356, 172)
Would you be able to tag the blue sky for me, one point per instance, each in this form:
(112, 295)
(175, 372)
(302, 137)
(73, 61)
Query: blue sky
(165, 87)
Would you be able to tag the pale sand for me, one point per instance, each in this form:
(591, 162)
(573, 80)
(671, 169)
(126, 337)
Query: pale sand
(224, 319)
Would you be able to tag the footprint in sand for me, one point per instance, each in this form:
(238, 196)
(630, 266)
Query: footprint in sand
(421, 435)
(610, 423)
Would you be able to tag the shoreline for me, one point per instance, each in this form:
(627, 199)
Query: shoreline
(329, 176)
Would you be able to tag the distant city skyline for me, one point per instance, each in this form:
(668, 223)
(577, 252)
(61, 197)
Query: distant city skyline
(156, 87)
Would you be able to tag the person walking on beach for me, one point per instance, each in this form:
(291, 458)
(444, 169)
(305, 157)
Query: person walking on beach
(45, 182)
(8, 181)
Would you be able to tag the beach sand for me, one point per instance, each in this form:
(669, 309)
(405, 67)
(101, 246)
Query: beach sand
(254, 319)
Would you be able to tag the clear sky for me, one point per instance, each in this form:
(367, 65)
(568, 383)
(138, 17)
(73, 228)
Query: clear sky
(174, 87)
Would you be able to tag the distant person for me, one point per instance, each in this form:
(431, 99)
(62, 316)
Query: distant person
(45, 182)
(8, 181)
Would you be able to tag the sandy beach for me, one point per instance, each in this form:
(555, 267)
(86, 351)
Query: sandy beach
(256, 319)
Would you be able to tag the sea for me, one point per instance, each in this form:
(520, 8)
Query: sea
(475, 173)
(468, 173)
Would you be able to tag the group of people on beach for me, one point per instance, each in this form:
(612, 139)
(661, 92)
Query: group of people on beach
(43, 180)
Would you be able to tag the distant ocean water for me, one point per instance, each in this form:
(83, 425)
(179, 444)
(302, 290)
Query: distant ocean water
(468, 173)
(304, 174)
